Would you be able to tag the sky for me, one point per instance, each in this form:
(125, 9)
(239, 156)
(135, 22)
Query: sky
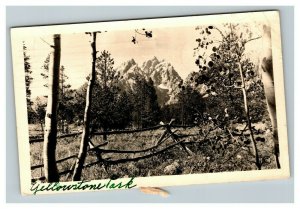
(174, 45)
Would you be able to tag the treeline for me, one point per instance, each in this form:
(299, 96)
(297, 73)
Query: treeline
(118, 107)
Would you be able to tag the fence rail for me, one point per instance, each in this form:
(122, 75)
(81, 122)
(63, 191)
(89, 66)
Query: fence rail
(178, 140)
(41, 139)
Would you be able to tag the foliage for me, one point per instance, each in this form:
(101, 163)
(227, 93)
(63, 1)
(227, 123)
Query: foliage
(28, 77)
(146, 111)
(191, 104)
(114, 107)
(218, 55)
(218, 154)
(45, 68)
(28, 80)
(189, 108)
(227, 66)
(40, 111)
(65, 109)
(144, 32)
(110, 109)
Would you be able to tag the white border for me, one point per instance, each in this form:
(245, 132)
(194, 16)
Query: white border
(272, 18)
(295, 3)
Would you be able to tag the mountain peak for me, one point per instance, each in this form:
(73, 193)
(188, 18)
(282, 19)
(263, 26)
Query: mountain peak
(164, 77)
(128, 66)
(132, 61)
(149, 66)
(154, 59)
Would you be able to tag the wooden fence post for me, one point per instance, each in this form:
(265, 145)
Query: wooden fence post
(98, 155)
(174, 137)
(104, 136)
(161, 137)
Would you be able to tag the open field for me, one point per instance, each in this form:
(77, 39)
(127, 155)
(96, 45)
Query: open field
(219, 152)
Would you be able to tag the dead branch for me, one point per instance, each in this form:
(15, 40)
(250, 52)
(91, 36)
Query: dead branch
(252, 39)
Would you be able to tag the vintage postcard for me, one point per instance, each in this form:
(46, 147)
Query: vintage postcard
(150, 103)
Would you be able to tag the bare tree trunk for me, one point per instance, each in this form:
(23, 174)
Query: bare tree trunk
(86, 122)
(50, 133)
(246, 106)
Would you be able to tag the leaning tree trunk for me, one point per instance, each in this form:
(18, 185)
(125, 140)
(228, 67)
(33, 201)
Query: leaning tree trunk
(50, 132)
(87, 112)
(246, 106)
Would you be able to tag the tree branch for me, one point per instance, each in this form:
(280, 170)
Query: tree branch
(252, 39)
(220, 32)
(136, 30)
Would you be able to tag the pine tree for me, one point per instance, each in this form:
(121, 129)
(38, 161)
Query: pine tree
(40, 111)
(152, 110)
(107, 76)
(146, 110)
(45, 67)
(190, 105)
(28, 80)
(64, 112)
(28, 77)
(110, 107)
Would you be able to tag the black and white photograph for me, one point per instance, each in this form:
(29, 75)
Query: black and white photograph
(164, 101)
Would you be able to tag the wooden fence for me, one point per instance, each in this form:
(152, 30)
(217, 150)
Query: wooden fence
(178, 140)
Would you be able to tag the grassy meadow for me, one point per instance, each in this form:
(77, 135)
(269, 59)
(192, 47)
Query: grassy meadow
(218, 153)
